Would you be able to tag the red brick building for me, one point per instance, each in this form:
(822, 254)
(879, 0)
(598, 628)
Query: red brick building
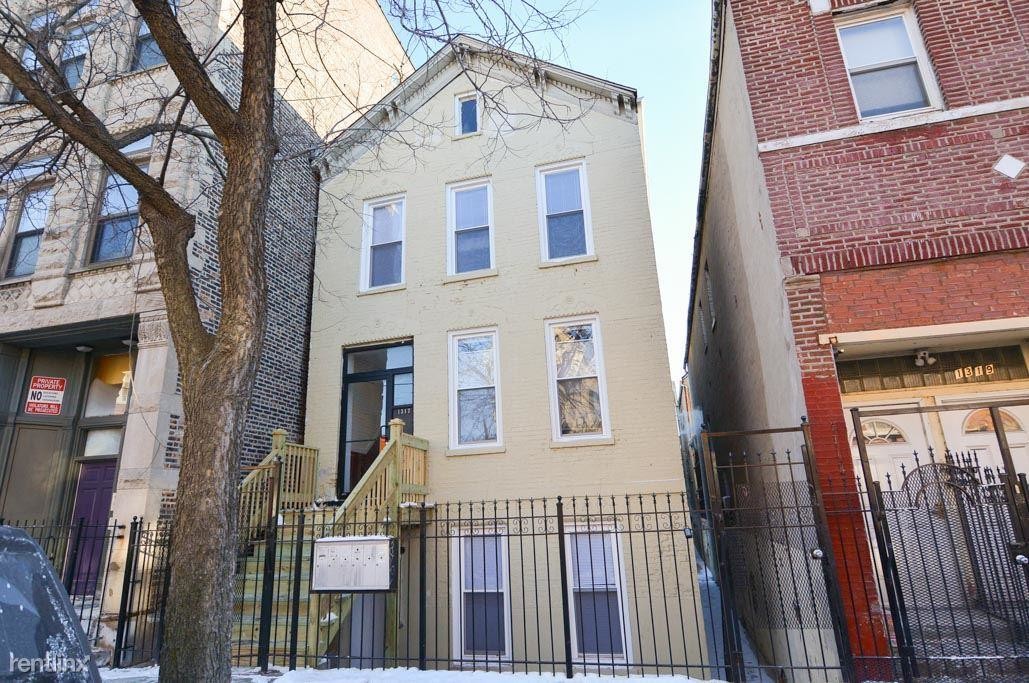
(863, 234)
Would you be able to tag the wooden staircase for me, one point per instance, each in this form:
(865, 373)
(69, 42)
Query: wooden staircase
(282, 488)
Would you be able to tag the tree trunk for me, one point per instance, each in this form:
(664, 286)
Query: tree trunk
(216, 387)
(198, 620)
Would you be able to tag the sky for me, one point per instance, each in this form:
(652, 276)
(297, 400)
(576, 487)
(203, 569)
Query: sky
(660, 48)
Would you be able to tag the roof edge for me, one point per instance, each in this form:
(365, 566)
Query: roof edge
(718, 10)
(447, 54)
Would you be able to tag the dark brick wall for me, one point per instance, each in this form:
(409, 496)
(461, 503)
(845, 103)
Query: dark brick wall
(279, 390)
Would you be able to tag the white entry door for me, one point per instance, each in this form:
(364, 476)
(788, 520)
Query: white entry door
(892, 443)
(970, 432)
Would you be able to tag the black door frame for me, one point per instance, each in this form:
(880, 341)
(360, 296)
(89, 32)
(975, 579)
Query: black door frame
(353, 378)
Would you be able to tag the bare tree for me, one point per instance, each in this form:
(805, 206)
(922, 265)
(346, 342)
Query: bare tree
(66, 125)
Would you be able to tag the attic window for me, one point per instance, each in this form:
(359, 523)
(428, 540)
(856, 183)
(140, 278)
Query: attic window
(467, 114)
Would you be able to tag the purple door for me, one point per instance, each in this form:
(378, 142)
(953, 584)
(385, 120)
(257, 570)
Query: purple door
(92, 507)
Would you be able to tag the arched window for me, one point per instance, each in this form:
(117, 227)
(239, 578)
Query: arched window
(980, 421)
(880, 432)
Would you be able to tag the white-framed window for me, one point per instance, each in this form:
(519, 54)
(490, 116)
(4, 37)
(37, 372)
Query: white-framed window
(481, 604)
(466, 113)
(599, 610)
(889, 69)
(475, 389)
(578, 388)
(702, 323)
(469, 227)
(34, 211)
(564, 211)
(382, 251)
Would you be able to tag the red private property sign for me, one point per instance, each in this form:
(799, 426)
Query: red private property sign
(46, 394)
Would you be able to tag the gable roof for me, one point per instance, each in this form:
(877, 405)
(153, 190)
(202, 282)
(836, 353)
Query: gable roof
(381, 115)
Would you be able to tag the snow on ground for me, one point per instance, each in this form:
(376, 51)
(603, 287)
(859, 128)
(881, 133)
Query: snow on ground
(149, 675)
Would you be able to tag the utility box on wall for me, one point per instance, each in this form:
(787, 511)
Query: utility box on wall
(354, 564)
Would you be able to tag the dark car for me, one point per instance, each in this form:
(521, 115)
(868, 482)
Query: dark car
(41, 638)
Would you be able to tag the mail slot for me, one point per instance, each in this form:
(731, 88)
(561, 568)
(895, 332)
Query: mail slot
(354, 564)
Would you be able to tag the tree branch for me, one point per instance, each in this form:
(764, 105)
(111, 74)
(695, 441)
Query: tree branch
(183, 60)
(90, 132)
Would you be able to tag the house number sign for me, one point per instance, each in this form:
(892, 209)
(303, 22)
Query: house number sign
(971, 372)
(354, 564)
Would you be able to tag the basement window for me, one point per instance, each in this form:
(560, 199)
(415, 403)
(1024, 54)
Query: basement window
(887, 64)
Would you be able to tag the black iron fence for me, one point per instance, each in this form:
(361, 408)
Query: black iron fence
(81, 553)
(767, 569)
(604, 585)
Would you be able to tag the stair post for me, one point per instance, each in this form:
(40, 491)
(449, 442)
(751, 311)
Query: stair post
(279, 439)
(396, 428)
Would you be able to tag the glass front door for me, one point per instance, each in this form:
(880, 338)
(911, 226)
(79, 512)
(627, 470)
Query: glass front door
(378, 385)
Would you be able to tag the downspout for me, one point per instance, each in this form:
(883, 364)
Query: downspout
(306, 372)
(718, 10)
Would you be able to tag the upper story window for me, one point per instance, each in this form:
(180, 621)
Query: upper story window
(117, 222)
(29, 59)
(565, 230)
(467, 114)
(73, 55)
(887, 64)
(118, 218)
(710, 291)
(474, 389)
(382, 252)
(32, 217)
(147, 53)
(31, 64)
(469, 235)
(578, 390)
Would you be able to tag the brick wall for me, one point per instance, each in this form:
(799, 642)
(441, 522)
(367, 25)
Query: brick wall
(917, 193)
(279, 390)
(836, 473)
(933, 293)
(798, 82)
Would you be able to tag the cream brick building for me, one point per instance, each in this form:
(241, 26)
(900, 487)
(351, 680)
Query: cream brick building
(485, 272)
(514, 303)
(79, 296)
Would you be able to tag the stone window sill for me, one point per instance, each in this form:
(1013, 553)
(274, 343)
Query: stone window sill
(585, 258)
(590, 441)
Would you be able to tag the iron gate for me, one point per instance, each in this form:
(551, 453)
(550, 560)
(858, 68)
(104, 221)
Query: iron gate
(920, 574)
(774, 557)
(948, 539)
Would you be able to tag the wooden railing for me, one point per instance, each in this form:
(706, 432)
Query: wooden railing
(375, 505)
(397, 476)
(284, 480)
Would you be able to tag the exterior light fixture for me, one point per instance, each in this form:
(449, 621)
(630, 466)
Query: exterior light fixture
(923, 358)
